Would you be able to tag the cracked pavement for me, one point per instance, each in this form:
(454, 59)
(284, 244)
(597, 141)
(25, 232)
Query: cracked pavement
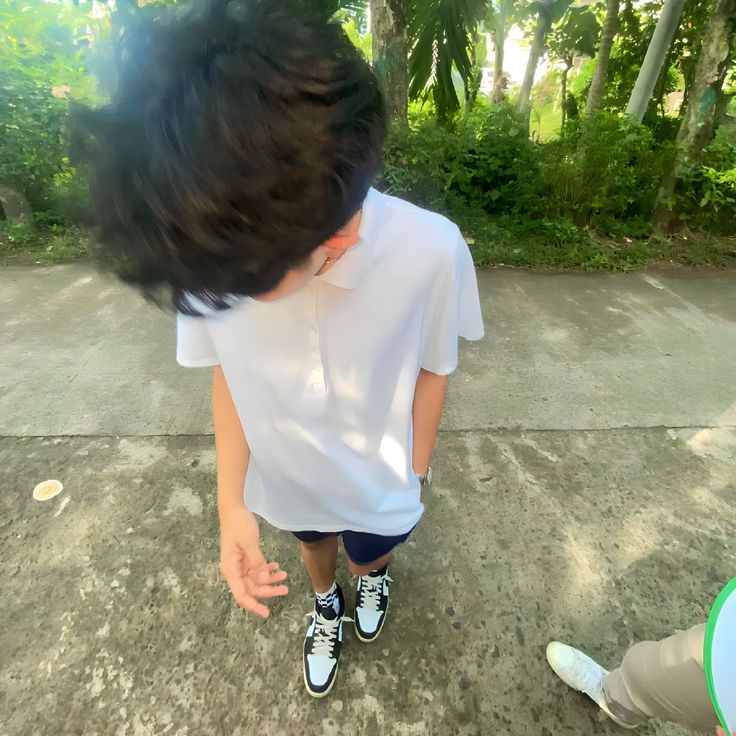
(584, 490)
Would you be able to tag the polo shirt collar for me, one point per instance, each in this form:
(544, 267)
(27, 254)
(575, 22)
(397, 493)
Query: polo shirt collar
(349, 271)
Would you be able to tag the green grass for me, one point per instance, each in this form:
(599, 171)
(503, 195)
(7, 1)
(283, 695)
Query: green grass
(559, 244)
(494, 241)
(22, 244)
(546, 122)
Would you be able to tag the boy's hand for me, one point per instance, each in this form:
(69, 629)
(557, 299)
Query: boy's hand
(721, 732)
(243, 565)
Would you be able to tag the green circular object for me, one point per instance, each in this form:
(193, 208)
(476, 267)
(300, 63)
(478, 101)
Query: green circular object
(719, 656)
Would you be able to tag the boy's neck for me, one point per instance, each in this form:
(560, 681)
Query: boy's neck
(348, 232)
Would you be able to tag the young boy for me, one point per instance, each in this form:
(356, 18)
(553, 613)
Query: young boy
(232, 169)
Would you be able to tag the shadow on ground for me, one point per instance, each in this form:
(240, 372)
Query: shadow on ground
(116, 621)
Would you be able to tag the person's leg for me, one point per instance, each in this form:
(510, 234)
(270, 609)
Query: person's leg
(323, 640)
(320, 559)
(370, 552)
(358, 570)
(371, 596)
(663, 679)
(369, 555)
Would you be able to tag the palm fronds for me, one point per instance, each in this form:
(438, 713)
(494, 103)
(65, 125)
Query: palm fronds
(440, 39)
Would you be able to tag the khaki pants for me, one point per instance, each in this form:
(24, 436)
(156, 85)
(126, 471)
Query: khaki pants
(663, 679)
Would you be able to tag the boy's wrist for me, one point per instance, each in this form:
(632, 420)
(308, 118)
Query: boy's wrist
(227, 505)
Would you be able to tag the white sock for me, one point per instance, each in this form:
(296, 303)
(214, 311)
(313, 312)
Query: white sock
(329, 599)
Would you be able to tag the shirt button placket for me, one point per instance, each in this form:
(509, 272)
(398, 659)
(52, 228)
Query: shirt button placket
(317, 375)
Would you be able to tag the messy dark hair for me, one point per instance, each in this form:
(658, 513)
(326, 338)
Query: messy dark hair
(241, 135)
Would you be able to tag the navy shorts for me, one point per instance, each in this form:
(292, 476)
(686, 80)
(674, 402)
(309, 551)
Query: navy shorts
(360, 547)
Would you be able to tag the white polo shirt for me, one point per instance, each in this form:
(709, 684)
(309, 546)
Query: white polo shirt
(323, 380)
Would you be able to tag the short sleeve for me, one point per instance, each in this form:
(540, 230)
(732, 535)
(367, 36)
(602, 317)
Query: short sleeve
(453, 311)
(194, 345)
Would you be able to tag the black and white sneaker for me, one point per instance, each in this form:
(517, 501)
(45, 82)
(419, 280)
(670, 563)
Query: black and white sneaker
(322, 646)
(371, 604)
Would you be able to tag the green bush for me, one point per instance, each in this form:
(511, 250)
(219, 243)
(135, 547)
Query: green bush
(481, 159)
(709, 190)
(44, 59)
(581, 201)
(601, 172)
(31, 150)
(420, 161)
(496, 157)
(18, 234)
(21, 243)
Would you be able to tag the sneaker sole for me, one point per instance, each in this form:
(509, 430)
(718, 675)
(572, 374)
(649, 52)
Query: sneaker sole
(326, 692)
(380, 628)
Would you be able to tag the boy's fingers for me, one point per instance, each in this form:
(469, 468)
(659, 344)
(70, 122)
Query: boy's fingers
(247, 587)
(241, 586)
(266, 577)
(250, 604)
(265, 591)
(245, 600)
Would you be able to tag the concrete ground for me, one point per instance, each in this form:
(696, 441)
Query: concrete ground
(584, 490)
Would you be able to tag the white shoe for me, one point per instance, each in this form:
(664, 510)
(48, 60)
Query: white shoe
(581, 673)
(322, 646)
(371, 604)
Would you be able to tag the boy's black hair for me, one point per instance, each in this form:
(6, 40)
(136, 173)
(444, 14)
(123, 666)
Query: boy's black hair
(242, 134)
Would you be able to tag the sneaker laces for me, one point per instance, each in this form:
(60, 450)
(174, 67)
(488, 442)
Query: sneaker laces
(371, 588)
(589, 678)
(325, 633)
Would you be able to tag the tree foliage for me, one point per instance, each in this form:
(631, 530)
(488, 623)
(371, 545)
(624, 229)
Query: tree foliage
(575, 35)
(43, 55)
(547, 12)
(440, 33)
(51, 52)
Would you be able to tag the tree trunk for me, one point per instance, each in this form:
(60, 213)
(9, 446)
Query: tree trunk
(688, 78)
(699, 124)
(563, 92)
(600, 75)
(15, 205)
(544, 22)
(663, 75)
(499, 91)
(472, 83)
(388, 21)
(502, 14)
(656, 53)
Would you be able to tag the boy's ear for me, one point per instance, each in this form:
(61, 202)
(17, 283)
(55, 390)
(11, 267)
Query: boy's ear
(342, 242)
